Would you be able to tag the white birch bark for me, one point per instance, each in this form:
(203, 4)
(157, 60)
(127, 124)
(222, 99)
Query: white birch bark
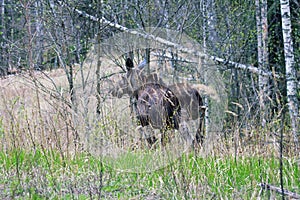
(39, 33)
(263, 54)
(291, 79)
(3, 63)
(211, 24)
(259, 32)
(209, 28)
(209, 36)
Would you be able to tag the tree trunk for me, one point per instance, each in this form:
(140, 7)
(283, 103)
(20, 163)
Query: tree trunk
(263, 54)
(211, 25)
(210, 39)
(291, 78)
(39, 47)
(3, 56)
(206, 100)
(98, 76)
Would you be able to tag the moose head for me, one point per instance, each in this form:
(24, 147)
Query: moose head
(133, 80)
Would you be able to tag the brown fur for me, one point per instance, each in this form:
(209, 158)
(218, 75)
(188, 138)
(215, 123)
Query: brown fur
(189, 98)
(157, 106)
(191, 101)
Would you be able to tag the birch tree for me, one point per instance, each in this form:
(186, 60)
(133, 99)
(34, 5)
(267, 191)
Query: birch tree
(262, 55)
(99, 63)
(209, 36)
(3, 60)
(291, 79)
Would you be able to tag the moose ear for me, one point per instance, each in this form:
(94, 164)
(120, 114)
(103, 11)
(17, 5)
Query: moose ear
(129, 64)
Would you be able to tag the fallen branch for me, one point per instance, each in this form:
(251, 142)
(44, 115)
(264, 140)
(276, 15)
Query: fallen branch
(169, 43)
(236, 65)
(278, 190)
(246, 67)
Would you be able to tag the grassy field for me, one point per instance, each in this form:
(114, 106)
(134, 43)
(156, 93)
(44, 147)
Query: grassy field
(47, 151)
(44, 174)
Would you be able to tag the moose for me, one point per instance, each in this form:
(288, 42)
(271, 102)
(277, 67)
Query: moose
(157, 106)
(151, 90)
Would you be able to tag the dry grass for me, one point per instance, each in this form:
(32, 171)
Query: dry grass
(35, 109)
(56, 146)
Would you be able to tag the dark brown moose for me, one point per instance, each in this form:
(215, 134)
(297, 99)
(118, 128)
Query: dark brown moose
(190, 101)
(157, 106)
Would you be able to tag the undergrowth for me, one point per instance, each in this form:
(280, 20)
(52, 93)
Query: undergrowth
(41, 174)
(44, 154)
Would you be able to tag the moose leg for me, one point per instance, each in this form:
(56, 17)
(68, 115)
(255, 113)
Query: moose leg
(147, 135)
(199, 136)
(164, 138)
(151, 140)
(132, 107)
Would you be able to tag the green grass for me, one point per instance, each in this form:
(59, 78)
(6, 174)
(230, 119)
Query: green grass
(38, 134)
(41, 174)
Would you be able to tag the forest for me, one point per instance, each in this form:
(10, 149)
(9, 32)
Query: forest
(69, 128)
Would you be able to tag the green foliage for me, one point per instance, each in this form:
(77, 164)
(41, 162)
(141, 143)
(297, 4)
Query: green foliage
(44, 174)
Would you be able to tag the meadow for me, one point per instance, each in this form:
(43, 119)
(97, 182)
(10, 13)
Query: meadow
(50, 150)
(44, 174)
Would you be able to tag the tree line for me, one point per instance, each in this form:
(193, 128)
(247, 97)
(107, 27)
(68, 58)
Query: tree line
(255, 44)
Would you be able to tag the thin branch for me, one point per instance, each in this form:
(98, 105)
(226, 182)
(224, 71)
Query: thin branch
(278, 190)
(177, 46)
(246, 67)
(109, 75)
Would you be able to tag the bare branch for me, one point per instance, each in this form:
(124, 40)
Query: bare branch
(179, 47)
(278, 190)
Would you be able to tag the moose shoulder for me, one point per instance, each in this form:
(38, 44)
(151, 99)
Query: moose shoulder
(157, 106)
(164, 107)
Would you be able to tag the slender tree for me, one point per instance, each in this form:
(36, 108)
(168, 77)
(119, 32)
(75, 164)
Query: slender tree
(204, 39)
(262, 56)
(3, 60)
(291, 78)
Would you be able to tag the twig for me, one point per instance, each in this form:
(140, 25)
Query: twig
(278, 190)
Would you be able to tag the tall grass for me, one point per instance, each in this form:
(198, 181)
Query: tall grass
(44, 155)
(44, 174)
